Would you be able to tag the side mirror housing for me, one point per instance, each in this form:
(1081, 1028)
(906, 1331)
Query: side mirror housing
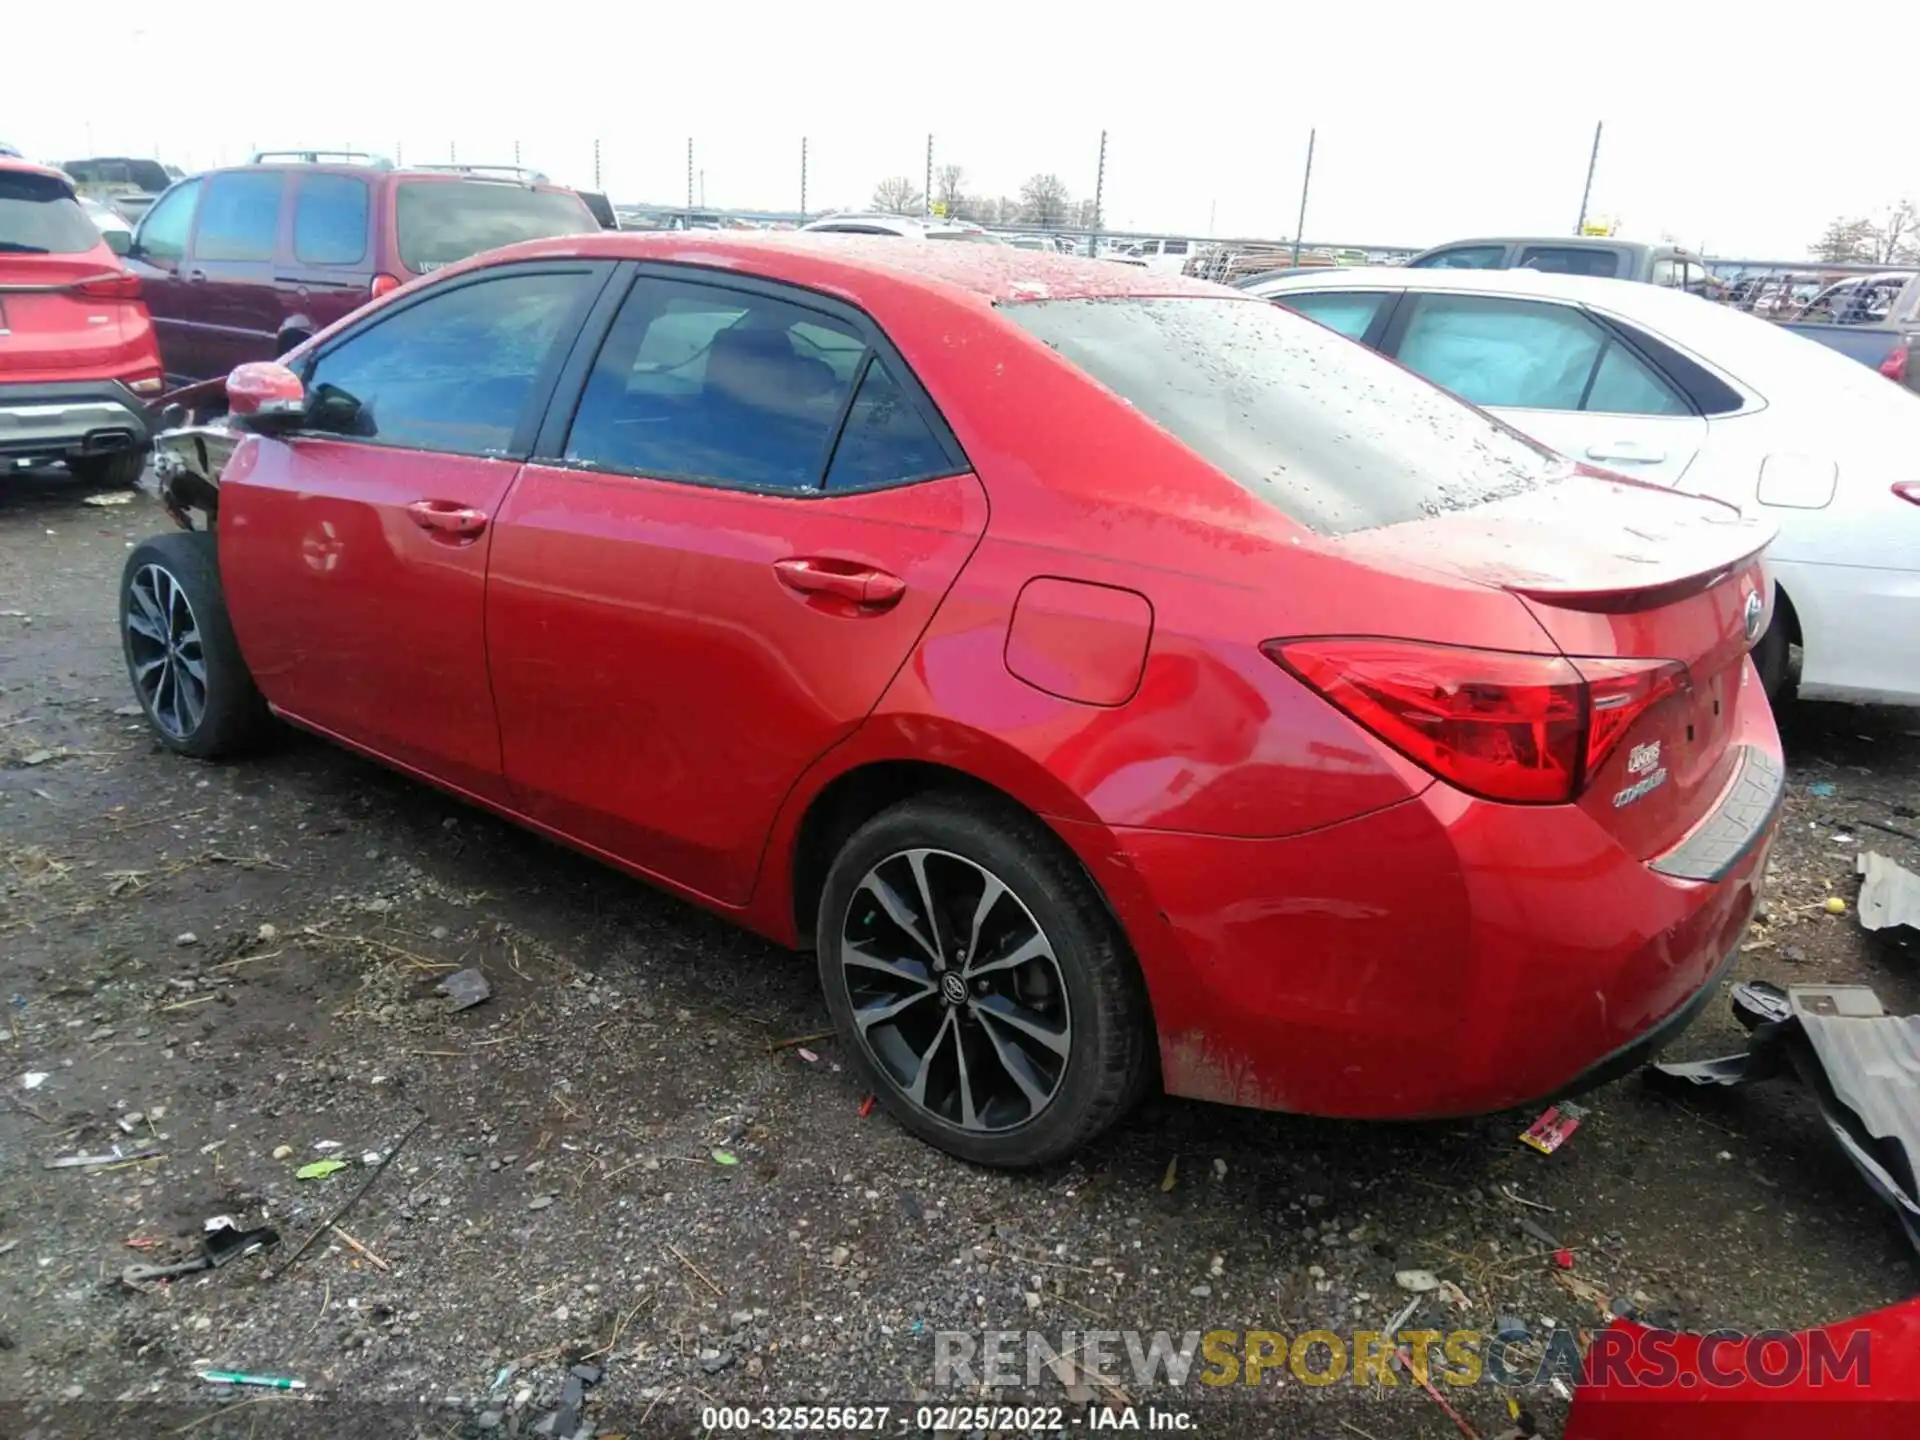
(120, 242)
(266, 398)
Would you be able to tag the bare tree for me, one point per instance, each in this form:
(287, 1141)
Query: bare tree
(948, 190)
(1044, 201)
(1857, 240)
(897, 195)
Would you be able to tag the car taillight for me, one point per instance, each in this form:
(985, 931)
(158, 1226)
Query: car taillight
(147, 384)
(1908, 490)
(383, 285)
(1523, 728)
(112, 285)
(1894, 367)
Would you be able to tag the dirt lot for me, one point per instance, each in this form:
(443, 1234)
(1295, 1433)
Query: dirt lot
(236, 966)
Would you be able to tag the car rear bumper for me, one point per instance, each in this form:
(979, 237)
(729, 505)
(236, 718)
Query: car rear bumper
(1443, 956)
(67, 419)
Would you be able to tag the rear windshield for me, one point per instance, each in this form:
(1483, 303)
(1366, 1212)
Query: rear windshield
(1330, 433)
(39, 216)
(441, 221)
(148, 175)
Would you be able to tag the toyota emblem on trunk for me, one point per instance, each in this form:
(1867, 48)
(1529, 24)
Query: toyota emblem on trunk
(1756, 611)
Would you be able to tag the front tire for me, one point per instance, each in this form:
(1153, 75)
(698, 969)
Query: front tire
(185, 665)
(978, 983)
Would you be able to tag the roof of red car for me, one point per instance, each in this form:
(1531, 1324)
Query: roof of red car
(28, 167)
(991, 272)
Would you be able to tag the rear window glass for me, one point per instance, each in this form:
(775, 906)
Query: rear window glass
(1328, 432)
(441, 221)
(1571, 260)
(39, 216)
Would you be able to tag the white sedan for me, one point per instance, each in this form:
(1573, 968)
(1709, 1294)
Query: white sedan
(1675, 390)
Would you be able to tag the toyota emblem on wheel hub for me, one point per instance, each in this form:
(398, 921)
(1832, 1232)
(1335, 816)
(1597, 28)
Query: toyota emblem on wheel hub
(953, 988)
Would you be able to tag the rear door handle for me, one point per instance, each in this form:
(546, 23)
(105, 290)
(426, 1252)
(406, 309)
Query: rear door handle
(1631, 451)
(447, 517)
(845, 580)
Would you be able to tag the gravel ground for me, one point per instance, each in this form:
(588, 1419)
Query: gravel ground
(235, 966)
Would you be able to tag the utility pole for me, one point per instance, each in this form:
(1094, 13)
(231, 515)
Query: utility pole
(689, 178)
(1306, 179)
(1099, 191)
(803, 179)
(453, 152)
(926, 198)
(516, 151)
(596, 162)
(1587, 193)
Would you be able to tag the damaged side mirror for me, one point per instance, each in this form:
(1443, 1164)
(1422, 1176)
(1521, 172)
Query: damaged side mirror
(266, 398)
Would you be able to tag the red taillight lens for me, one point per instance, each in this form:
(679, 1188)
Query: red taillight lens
(1522, 728)
(112, 285)
(1894, 367)
(383, 285)
(1907, 490)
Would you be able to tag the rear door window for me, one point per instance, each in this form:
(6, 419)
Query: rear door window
(1351, 312)
(702, 382)
(1528, 355)
(442, 221)
(39, 216)
(330, 220)
(1571, 260)
(453, 372)
(1328, 432)
(239, 216)
(886, 439)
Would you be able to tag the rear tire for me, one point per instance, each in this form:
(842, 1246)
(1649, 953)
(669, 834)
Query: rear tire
(1049, 1051)
(185, 665)
(1773, 658)
(118, 471)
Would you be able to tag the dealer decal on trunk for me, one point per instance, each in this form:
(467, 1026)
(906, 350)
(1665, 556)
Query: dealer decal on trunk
(1644, 761)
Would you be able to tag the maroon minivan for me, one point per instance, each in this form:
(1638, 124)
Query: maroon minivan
(244, 263)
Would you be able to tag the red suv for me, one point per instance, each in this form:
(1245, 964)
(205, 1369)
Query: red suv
(245, 263)
(76, 347)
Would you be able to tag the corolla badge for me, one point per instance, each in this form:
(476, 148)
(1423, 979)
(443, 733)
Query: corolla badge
(1755, 613)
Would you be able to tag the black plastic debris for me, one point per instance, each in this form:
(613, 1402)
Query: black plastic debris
(1862, 1065)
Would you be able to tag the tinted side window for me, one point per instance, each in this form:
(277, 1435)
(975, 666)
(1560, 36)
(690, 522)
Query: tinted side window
(700, 382)
(454, 372)
(1528, 356)
(1570, 260)
(1349, 312)
(330, 220)
(164, 229)
(240, 217)
(1462, 257)
(886, 439)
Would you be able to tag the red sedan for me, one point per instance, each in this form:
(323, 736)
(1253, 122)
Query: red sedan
(1112, 677)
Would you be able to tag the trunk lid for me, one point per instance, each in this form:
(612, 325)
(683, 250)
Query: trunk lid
(1617, 574)
(49, 327)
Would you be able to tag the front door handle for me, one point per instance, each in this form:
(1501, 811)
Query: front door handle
(447, 517)
(194, 277)
(1631, 451)
(843, 579)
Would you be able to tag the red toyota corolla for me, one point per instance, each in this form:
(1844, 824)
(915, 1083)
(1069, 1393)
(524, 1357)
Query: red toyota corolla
(1111, 676)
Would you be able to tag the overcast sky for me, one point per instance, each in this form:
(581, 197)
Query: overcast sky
(1724, 127)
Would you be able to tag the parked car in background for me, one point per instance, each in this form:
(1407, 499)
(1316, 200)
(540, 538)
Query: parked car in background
(127, 182)
(77, 353)
(1599, 257)
(905, 227)
(1874, 319)
(114, 227)
(1678, 391)
(1080, 665)
(245, 263)
(1167, 255)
